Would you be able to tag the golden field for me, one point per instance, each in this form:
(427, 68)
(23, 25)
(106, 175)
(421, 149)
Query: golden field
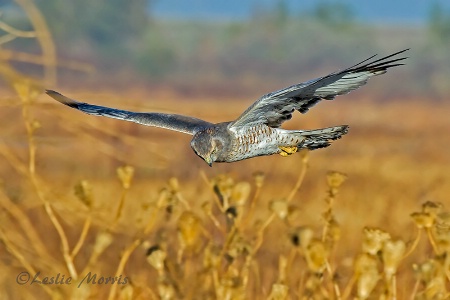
(116, 198)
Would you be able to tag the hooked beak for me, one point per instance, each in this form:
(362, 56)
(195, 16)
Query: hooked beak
(209, 161)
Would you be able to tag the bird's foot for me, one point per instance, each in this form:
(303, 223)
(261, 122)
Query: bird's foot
(286, 151)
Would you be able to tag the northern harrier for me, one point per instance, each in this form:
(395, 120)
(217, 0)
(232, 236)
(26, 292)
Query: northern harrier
(256, 132)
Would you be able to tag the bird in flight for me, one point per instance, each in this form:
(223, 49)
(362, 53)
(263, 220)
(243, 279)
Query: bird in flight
(257, 131)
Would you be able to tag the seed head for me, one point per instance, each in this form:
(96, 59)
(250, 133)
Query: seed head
(443, 222)
(259, 179)
(432, 274)
(367, 274)
(294, 215)
(103, 240)
(392, 252)
(312, 286)
(231, 286)
(83, 191)
(333, 231)
(442, 231)
(427, 270)
(165, 289)
(223, 185)
(374, 240)
(335, 179)
(125, 175)
(279, 291)
(302, 236)
(189, 229)
(423, 219)
(26, 89)
(431, 208)
(238, 246)
(126, 293)
(35, 125)
(316, 255)
(240, 193)
(174, 184)
(156, 257)
(280, 208)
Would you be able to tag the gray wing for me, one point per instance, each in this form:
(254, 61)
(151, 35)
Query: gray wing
(179, 123)
(275, 108)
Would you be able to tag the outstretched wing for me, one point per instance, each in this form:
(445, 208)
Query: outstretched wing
(179, 123)
(276, 107)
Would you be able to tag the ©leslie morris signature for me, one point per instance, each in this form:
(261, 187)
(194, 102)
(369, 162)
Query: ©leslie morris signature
(90, 278)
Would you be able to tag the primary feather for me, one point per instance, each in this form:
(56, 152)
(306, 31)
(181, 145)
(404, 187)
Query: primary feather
(274, 108)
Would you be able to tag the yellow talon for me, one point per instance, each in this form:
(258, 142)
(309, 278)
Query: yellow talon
(285, 151)
(284, 154)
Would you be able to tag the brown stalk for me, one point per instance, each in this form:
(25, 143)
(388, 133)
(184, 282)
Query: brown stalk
(300, 179)
(123, 261)
(251, 210)
(336, 288)
(432, 240)
(415, 289)
(120, 206)
(348, 288)
(31, 271)
(414, 244)
(43, 36)
(25, 223)
(297, 186)
(16, 32)
(82, 238)
(4, 39)
(216, 199)
(23, 91)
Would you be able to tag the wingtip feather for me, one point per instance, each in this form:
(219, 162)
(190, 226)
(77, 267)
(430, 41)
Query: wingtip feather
(61, 98)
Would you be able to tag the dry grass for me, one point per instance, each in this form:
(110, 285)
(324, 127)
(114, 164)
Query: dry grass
(82, 195)
(268, 227)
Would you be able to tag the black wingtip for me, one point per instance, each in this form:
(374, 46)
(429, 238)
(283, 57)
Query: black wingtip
(61, 98)
(378, 64)
(51, 93)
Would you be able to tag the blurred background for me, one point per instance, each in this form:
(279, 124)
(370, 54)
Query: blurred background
(237, 46)
(211, 60)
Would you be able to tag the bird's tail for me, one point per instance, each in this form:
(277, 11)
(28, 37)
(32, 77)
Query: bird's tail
(321, 138)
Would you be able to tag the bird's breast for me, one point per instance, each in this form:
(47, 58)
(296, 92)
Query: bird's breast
(253, 141)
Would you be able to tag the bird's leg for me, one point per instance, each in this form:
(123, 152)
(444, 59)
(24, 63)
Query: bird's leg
(285, 151)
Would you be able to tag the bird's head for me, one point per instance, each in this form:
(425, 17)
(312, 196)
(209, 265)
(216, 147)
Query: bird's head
(206, 145)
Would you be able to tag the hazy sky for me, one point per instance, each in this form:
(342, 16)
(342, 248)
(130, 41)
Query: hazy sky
(392, 11)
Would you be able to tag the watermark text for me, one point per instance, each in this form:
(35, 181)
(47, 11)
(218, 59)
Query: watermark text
(61, 279)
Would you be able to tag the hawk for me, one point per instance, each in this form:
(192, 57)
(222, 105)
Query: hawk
(257, 131)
